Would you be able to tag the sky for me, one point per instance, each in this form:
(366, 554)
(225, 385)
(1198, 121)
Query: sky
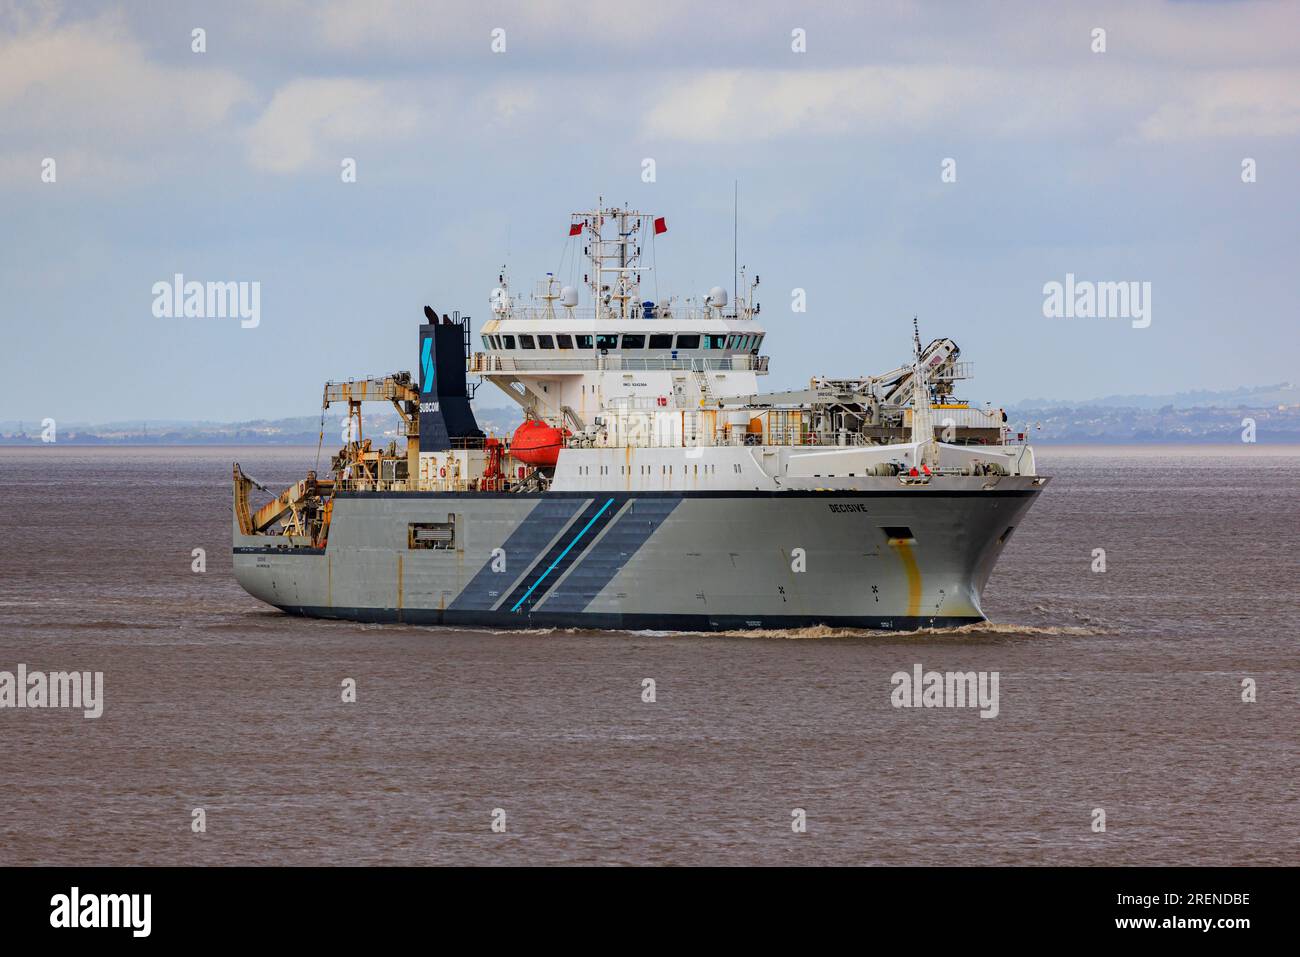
(226, 165)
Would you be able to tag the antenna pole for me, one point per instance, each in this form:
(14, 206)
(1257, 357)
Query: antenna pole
(735, 234)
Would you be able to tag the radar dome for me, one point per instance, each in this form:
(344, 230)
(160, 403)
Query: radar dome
(569, 296)
(717, 297)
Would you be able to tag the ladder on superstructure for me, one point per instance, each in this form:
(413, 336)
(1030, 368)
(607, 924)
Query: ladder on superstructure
(707, 398)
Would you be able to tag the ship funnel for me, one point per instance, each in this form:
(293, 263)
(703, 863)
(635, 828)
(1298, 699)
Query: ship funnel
(445, 413)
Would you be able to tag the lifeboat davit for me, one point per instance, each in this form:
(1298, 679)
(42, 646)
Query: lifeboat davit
(536, 443)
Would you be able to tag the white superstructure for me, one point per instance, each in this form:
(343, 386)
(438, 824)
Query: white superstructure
(658, 382)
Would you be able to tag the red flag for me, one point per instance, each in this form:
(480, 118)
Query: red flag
(661, 225)
(575, 229)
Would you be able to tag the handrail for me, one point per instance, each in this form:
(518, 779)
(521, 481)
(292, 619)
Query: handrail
(657, 313)
(482, 362)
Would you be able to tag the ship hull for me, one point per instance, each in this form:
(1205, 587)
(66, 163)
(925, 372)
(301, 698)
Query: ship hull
(889, 558)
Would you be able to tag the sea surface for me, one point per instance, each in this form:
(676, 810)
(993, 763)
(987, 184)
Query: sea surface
(1119, 690)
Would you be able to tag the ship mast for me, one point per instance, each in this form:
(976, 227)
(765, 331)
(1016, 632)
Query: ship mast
(615, 277)
(922, 419)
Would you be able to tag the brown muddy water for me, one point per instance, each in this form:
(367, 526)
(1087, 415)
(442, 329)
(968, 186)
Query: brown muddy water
(1119, 690)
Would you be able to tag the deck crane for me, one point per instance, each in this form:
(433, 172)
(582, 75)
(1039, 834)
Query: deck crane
(398, 389)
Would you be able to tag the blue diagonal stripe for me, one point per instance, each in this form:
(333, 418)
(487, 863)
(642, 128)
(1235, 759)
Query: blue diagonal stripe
(526, 544)
(560, 557)
(607, 557)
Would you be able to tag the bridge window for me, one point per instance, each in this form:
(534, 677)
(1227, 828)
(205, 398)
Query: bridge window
(634, 342)
(545, 342)
(487, 343)
(715, 342)
(661, 341)
(606, 341)
(509, 341)
(584, 342)
(526, 342)
(563, 341)
(688, 342)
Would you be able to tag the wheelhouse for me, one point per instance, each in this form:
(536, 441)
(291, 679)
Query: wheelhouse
(659, 344)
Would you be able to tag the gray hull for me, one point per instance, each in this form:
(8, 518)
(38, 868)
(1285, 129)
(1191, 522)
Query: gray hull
(888, 557)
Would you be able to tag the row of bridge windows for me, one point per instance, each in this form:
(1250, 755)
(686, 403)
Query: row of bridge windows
(630, 340)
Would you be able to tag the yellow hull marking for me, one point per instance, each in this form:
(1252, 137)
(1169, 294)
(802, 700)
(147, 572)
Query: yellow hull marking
(913, 575)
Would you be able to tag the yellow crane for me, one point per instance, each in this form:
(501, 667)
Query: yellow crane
(397, 389)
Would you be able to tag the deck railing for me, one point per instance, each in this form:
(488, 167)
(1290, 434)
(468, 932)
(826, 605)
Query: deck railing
(677, 312)
(482, 362)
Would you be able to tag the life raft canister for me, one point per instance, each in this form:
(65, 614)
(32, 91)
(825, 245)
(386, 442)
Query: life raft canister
(537, 443)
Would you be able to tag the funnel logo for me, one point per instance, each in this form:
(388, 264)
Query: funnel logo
(426, 365)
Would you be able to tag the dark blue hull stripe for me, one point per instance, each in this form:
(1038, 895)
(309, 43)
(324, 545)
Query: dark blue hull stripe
(522, 547)
(829, 493)
(607, 556)
(561, 556)
(625, 622)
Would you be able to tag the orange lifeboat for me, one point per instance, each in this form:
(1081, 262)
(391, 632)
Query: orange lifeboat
(536, 443)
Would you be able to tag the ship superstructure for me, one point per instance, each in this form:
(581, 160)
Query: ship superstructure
(653, 482)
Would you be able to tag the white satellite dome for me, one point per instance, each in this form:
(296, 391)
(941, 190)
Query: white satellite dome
(717, 297)
(568, 296)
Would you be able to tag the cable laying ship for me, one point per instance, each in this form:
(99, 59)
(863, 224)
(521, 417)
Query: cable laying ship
(652, 484)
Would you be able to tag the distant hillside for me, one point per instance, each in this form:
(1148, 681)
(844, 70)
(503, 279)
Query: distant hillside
(1167, 424)
(1275, 411)
(1264, 396)
(379, 423)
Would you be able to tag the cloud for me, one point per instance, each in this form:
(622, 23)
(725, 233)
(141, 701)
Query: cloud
(309, 115)
(1113, 102)
(450, 28)
(749, 104)
(740, 105)
(93, 77)
(85, 94)
(1233, 104)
